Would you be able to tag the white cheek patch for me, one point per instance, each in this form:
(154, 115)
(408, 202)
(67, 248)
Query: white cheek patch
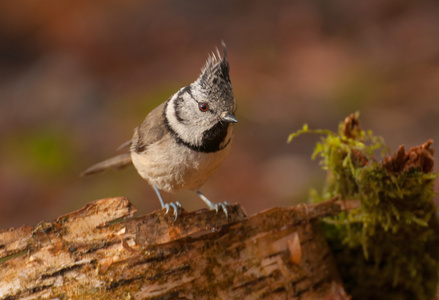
(185, 130)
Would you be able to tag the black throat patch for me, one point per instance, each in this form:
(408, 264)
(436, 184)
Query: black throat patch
(212, 140)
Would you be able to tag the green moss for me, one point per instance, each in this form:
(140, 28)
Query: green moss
(389, 248)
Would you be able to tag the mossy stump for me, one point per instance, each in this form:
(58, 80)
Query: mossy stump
(388, 248)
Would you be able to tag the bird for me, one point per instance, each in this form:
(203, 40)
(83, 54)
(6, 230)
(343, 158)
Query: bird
(184, 140)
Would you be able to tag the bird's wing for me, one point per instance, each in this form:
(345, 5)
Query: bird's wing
(152, 130)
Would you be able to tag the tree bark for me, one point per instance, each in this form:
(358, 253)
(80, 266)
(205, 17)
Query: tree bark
(102, 252)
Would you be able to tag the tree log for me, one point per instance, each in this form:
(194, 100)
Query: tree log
(102, 252)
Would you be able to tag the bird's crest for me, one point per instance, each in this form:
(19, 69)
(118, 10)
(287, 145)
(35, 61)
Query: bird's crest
(215, 77)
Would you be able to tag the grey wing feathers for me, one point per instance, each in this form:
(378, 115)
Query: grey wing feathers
(117, 162)
(126, 144)
(151, 131)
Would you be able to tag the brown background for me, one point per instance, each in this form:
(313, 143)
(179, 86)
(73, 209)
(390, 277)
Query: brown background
(77, 76)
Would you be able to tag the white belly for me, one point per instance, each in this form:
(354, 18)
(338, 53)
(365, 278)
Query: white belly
(171, 166)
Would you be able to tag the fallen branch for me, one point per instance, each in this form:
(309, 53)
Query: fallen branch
(101, 251)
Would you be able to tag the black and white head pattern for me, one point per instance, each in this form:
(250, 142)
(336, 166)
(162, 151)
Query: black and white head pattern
(199, 115)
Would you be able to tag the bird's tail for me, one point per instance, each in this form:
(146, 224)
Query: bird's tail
(117, 162)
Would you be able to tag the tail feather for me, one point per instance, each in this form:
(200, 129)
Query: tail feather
(117, 162)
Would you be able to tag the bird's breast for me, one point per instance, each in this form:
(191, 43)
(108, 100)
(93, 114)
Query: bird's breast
(171, 165)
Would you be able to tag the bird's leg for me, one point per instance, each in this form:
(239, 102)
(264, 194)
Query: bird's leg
(215, 206)
(175, 206)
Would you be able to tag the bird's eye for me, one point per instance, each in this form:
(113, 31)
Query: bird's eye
(203, 107)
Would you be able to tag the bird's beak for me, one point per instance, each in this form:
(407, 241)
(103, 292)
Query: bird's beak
(228, 117)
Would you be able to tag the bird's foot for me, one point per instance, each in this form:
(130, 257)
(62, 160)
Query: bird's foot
(215, 206)
(224, 206)
(175, 206)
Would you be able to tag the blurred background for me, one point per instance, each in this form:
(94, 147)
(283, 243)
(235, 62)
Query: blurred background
(76, 77)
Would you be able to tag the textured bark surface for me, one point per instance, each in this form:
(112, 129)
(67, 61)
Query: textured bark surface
(102, 252)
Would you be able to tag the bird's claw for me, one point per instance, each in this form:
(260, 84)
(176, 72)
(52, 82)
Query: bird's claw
(175, 206)
(224, 206)
(215, 206)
